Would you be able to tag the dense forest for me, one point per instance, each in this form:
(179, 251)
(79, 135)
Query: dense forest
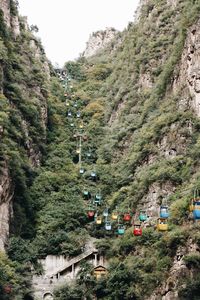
(104, 149)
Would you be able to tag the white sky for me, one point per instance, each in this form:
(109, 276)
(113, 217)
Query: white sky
(65, 25)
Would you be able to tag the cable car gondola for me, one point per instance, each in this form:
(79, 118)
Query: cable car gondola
(98, 220)
(69, 114)
(142, 216)
(120, 229)
(137, 231)
(91, 212)
(108, 225)
(98, 198)
(191, 205)
(105, 212)
(162, 224)
(86, 195)
(114, 215)
(127, 217)
(196, 210)
(93, 176)
(164, 211)
(88, 154)
(78, 115)
(81, 170)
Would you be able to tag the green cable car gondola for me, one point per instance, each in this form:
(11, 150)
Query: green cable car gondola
(120, 229)
(142, 216)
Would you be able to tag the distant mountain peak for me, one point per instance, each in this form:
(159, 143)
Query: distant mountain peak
(98, 40)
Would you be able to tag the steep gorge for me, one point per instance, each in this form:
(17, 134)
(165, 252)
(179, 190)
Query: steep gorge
(139, 103)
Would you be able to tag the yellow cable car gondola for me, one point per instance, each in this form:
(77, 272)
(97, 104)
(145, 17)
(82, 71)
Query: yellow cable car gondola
(191, 205)
(81, 125)
(196, 198)
(114, 215)
(162, 224)
(98, 220)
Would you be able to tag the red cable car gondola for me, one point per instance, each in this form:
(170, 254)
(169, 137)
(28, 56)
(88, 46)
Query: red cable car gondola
(137, 230)
(127, 217)
(7, 289)
(91, 214)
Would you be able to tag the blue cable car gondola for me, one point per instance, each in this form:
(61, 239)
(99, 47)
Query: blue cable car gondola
(164, 211)
(196, 210)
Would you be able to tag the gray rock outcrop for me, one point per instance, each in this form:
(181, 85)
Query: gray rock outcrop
(98, 40)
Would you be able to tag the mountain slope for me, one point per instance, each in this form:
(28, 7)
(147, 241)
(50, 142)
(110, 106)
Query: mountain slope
(138, 100)
(148, 155)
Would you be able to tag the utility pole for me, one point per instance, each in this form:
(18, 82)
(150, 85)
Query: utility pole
(80, 150)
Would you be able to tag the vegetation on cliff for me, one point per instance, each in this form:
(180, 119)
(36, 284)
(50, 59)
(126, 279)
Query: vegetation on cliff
(128, 107)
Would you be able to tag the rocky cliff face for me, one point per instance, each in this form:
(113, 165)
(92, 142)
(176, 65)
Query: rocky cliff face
(6, 196)
(98, 41)
(11, 20)
(188, 77)
(22, 90)
(5, 7)
(169, 289)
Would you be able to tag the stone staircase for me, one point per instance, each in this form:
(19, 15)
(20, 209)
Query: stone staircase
(58, 271)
